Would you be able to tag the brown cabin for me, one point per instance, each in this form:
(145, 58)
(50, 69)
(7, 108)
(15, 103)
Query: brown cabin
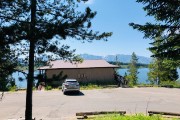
(88, 71)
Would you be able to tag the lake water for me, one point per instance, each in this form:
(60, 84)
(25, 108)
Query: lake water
(21, 84)
(142, 76)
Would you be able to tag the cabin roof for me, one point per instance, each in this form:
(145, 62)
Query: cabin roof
(61, 64)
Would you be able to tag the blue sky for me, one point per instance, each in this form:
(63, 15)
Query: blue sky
(114, 16)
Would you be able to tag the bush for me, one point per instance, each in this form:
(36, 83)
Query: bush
(34, 88)
(48, 87)
(170, 84)
(90, 87)
(12, 88)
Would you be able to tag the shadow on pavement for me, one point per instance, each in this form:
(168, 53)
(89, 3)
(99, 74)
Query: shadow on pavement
(74, 93)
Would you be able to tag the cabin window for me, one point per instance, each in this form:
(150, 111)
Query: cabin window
(82, 76)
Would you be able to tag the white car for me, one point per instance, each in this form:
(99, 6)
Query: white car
(70, 85)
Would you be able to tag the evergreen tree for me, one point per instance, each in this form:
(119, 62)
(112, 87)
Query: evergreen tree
(43, 24)
(170, 68)
(155, 73)
(173, 76)
(162, 69)
(133, 70)
(167, 15)
(8, 63)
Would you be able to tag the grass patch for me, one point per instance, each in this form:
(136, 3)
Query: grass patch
(147, 85)
(90, 87)
(168, 84)
(129, 117)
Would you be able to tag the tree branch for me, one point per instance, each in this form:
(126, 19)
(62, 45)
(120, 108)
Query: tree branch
(10, 18)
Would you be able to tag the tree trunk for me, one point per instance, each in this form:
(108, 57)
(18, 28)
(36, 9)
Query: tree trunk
(28, 111)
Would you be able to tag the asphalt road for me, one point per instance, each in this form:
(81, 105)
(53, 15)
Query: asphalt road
(53, 105)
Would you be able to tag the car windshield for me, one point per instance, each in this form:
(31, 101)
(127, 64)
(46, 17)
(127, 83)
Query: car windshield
(71, 81)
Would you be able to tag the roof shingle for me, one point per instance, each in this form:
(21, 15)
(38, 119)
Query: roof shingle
(58, 64)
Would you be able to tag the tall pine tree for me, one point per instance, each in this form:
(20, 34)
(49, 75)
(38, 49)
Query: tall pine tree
(133, 70)
(161, 69)
(43, 24)
(8, 64)
(167, 15)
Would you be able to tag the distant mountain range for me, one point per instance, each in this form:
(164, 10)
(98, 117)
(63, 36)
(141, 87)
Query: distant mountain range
(120, 58)
(111, 58)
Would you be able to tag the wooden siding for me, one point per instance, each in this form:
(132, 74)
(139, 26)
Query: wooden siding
(85, 75)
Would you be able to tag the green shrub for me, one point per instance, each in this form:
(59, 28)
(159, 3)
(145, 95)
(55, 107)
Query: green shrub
(170, 84)
(34, 88)
(48, 87)
(12, 88)
(90, 87)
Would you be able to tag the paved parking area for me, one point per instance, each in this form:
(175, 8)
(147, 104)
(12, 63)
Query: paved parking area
(53, 105)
